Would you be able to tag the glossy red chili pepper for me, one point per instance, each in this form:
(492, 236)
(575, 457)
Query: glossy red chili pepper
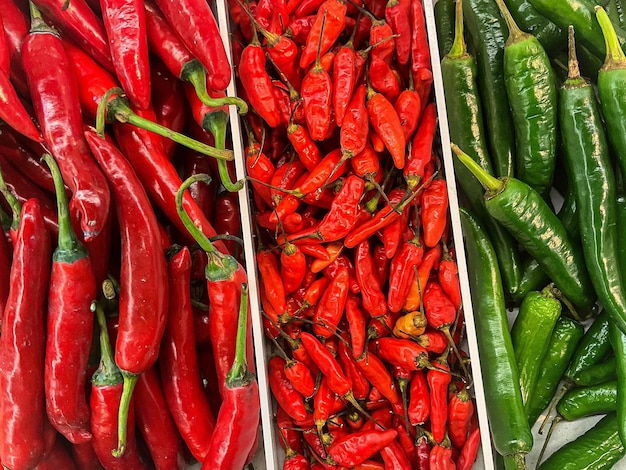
(344, 211)
(15, 30)
(355, 448)
(448, 276)
(381, 263)
(298, 29)
(284, 392)
(402, 273)
(125, 24)
(397, 16)
(344, 78)
(85, 457)
(57, 458)
(168, 101)
(383, 80)
(408, 445)
(285, 177)
(104, 401)
(55, 99)
(81, 25)
(289, 435)
(385, 121)
(143, 278)
(439, 309)
(460, 411)
(322, 404)
(360, 385)
(422, 447)
(194, 22)
(438, 378)
(328, 365)
(374, 300)
(13, 112)
(434, 213)
(182, 385)
(355, 128)
(402, 352)
(378, 375)
(418, 286)
(292, 267)
(69, 326)
(433, 340)
(155, 422)
(419, 399)
(421, 147)
(331, 306)
(357, 322)
(394, 457)
(466, 458)
(408, 105)
(328, 25)
(304, 146)
(23, 442)
(267, 264)
(380, 34)
(393, 233)
(441, 458)
(420, 50)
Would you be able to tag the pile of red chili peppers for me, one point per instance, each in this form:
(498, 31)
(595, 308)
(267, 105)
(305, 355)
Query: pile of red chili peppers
(125, 339)
(359, 287)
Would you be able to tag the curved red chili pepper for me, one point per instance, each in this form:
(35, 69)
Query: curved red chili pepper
(402, 273)
(324, 32)
(420, 49)
(13, 112)
(460, 411)
(143, 279)
(257, 83)
(26, 160)
(284, 392)
(378, 375)
(344, 78)
(385, 121)
(155, 422)
(383, 80)
(360, 385)
(421, 147)
(373, 298)
(408, 105)
(328, 365)
(397, 16)
(355, 128)
(23, 442)
(434, 213)
(292, 267)
(438, 378)
(448, 276)
(194, 22)
(433, 340)
(125, 25)
(81, 25)
(70, 326)
(419, 399)
(344, 210)
(402, 352)
(15, 29)
(331, 306)
(304, 146)
(394, 457)
(355, 448)
(271, 280)
(55, 98)
(468, 454)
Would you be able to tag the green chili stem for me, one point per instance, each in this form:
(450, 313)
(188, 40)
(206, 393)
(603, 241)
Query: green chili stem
(37, 23)
(459, 48)
(514, 462)
(130, 380)
(572, 61)
(615, 57)
(489, 182)
(195, 73)
(107, 373)
(239, 371)
(16, 206)
(67, 237)
(217, 124)
(515, 33)
(194, 231)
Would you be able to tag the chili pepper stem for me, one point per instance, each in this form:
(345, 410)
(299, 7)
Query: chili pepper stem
(195, 73)
(573, 71)
(239, 374)
(38, 24)
(459, 48)
(489, 182)
(217, 124)
(555, 401)
(16, 206)
(615, 57)
(130, 380)
(515, 33)
(114, 107)
(107, 371)
(555, 421)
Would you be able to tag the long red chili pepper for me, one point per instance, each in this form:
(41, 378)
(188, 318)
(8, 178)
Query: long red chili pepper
(402, 352)
(438, 379)
(373, 298)
(143, 279)
(397, 16)
(81, 24)
(324, 32)
(375, 371)
(179, 364)
(355, 448)
(125, 24)
(355, 128)
(331, 306)
(70, 326)
(408, 105)
(286, 395)
(421, 147)
(385, 121)
(155, 422)
(194, 22)
(55, 98)
(420, 50)
(15, 29)
(239, 415)
(360, 385)
(344, 211)
(322, 404)
(466, 458)
(434, 212)
(344, 78)
(419, 399)
(23, 440)
(13, 112)
(290, 436)
(402, 274)
(104, 401)
(337, 380)
(448, 276)
(227, 219)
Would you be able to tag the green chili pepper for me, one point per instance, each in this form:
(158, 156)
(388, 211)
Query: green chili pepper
(464, 110)
(509, 427)
(528, 18)
(588, 401)
(568, 215)
(487, 33)
(530, 86)
(525, 214)
(444, 18)
(621, 221)
(531, 335)
(597, 374)
(598, 449)
(592, 349)
(564, 341)
(533, 278)
(593, 181)
(615, 10)
(618, 343)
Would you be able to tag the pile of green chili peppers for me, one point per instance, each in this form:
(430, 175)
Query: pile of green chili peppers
(535, 93)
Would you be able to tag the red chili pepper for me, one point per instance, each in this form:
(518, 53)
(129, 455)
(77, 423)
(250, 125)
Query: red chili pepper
(393, 233)
(420, 50)
(292, 267)
(322, 405)
(421, 147)
(402, 273)
(397, 16)
(56, 103)
(343, 213)
(57, 458)
(143, 279)
(331, 306)
(15, 29)
(378, 375)
(385, 121)
(328, 365)
(105, 399)
(23, 442)
(355, 448)
(355, 128)
(360, 385)
(284, 392)
(383, 80)
(441, 457)
(439, 309)
(344, 78)
(13, 112)
(304, 146)
(418, 286)
(402, 352)
(460, 411)
(381, 263)
(194, 22)
(271, 280)
(433, 340)
(369, 465)
(125, 24)
(419, 399)
(82, 26)
(448, 276)
(422, 446)
(85, 457)
(290, 436)
(380, 35)
(328, 25)
(182, 385)
(408, 105)
(168, 101)
(468, 454)
(434, 212)
(70, 326)
(408, 445)
(438, 378)
(394, 457)
(155, 422)
(374, 300)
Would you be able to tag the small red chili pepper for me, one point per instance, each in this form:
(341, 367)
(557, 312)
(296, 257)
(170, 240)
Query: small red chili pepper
(125, 24)
(304, 146)
(441, 457)
(328, 25)
(438, 378)
(385, 121)
(267, 264)
(369, 465)
(422, 446)
(468, 454)
(57, 458)
(378, 375)
(70, 325)
(290, 436)
(143, 279)
(380, 35)
(360, 385)
(328, 365)
(408, 445)
(394, 457)
(423, 84)
(344, 211)
(402, 273)
(355, 448)
(433, 340)
(182, 385)
(355, 128)
(284, 392)
(421, 147)
(420, 50)
(285, 55)
(322, 405)
(439, 309)
(419, 399)
(194, 22)
(381, 263)
(383, 80)
(298, 29)
(448, 276)
(374, 300)
(460, 411)
(239, 415)
(434, 213)
(392, 233)
(397, 16)
(23, 442)
(331, 306)
(402, 352)
(344, 78)
(408, 105)
(418, 286)
(292, 267)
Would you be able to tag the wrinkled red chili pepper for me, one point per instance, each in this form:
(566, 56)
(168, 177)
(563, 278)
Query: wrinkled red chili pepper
(344, 78)
(69, 326)
(448, 276)
(383, 80)
(441, 457)
(421, 147)
(408, 105)
(385, 121)
(392, 233)
(397, 16)
(322, 405)
(408, 445)
(394, 457)
(468, 454)
(286, 395)
(419, 399)
(434, 212)
(438, 378)
(355, 129)
(23, 442)
(343, 213)
(439, 309)
(55, 99)
(402, 352)
(373, 298)
(355, 448)
(433, 340)
(380, 33)
(143, 279)
(328, 365)
(360, 385)
(331, 306)
(420, 50)
(378, 375)
(289, 435)
(402, 273)
(418, 286)
(460, 411)
(422, 446)
(327, 27)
